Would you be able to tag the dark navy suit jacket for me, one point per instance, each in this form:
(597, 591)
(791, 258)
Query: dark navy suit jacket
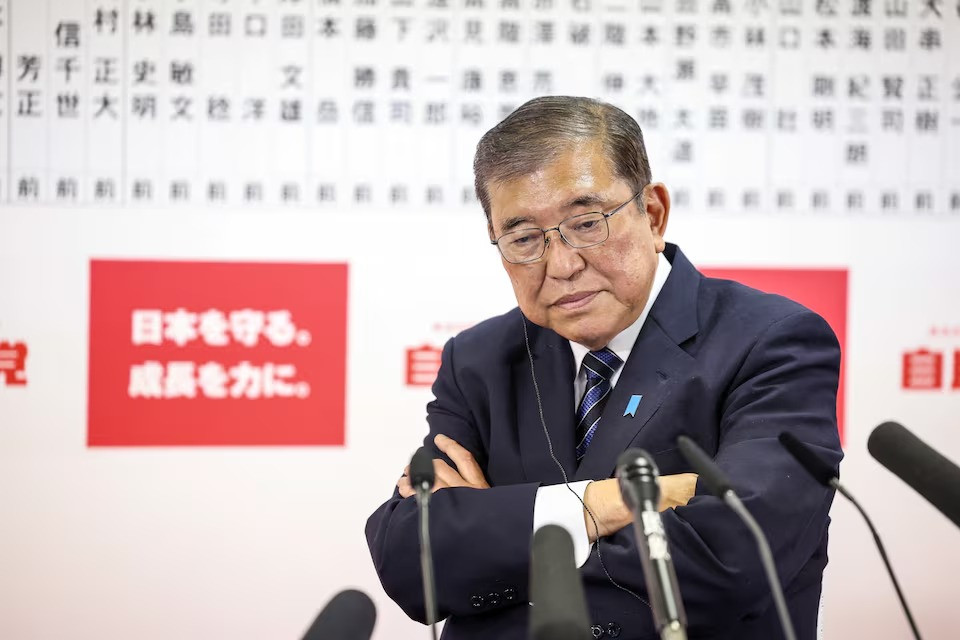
(725, 364)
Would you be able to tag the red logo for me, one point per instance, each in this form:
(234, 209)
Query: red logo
(13, 363)
(423, 363)
(823, 291)
(217, 353)
(922, 369)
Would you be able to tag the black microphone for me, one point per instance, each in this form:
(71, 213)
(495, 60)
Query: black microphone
(422, 477)
(825, 475)
(559, 606)
(640, 489)
(915, 462)
(717, 482)
(350, 615)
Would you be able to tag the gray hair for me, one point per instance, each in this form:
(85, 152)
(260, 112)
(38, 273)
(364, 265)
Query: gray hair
(541, 129)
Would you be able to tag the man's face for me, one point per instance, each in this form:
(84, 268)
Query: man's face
(585, 295)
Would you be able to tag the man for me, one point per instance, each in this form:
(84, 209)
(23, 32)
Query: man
(618, 342)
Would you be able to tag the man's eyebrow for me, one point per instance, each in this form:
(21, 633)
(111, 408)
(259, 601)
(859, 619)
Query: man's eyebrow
(586, 200)
(513, 222)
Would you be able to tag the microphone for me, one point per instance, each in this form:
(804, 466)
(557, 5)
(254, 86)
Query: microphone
(350, 615)
(717, 483)
(640, 489)
(915, 462)
(422, 477)
(824, 474)
(559, 607)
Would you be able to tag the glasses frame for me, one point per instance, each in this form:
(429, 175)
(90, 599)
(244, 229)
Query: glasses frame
(546, 239)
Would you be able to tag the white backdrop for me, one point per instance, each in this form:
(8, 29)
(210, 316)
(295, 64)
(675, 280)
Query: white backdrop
(249, 542)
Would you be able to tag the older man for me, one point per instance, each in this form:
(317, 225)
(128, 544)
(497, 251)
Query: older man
(618, 342)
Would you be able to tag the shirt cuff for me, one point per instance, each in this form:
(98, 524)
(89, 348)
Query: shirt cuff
(555, 505)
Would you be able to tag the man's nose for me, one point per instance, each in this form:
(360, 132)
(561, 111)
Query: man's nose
(563, 261)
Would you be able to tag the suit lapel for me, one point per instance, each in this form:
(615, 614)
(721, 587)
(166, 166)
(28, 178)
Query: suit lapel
(654, 368)
(553, 362)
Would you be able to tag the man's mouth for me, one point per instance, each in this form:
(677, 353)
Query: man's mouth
(575, 300)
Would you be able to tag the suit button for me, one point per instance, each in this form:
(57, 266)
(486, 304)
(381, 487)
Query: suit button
(596, 631)
(476, 601)
(613, 630)
(509, 594)
(493, 598)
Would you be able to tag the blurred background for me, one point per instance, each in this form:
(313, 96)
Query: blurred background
(235, 234)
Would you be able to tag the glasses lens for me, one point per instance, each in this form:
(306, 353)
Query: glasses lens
(585, 230)
(521, 246)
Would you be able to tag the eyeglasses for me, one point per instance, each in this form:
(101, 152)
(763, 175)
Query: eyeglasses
(580, 231)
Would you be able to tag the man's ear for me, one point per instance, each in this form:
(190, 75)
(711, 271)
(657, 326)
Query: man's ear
(656, 202)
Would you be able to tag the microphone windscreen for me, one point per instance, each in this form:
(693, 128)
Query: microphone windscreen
(714, 479)
(915, 462)
(559, 609)
(421, 468)
(815, 466)
(635, 459)
(350, 615)
(638, 477)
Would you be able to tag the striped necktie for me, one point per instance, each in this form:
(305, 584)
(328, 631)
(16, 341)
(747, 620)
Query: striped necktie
(599, 367)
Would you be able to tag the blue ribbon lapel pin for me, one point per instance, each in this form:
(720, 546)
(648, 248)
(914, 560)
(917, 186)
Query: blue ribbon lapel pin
(632, 405)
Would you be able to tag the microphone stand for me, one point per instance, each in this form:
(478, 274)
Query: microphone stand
(426, 556)
(825, 475)
(671, 613)
(835, 483)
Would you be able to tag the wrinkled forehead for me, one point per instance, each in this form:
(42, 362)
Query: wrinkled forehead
(577, 179)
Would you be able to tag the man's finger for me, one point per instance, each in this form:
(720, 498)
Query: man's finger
(404, 487)
(447, 474)
(466, 464)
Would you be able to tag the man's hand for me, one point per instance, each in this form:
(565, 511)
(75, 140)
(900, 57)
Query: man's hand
(676, 490)
(603, 499)
(467, 473)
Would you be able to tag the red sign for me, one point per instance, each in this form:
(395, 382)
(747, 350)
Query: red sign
(216, 353)
(823, 291)
(13, 363)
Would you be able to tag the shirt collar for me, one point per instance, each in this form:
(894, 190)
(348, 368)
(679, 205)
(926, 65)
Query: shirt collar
(622, 343)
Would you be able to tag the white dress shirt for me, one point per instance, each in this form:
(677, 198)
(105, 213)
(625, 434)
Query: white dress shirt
(554, 504)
